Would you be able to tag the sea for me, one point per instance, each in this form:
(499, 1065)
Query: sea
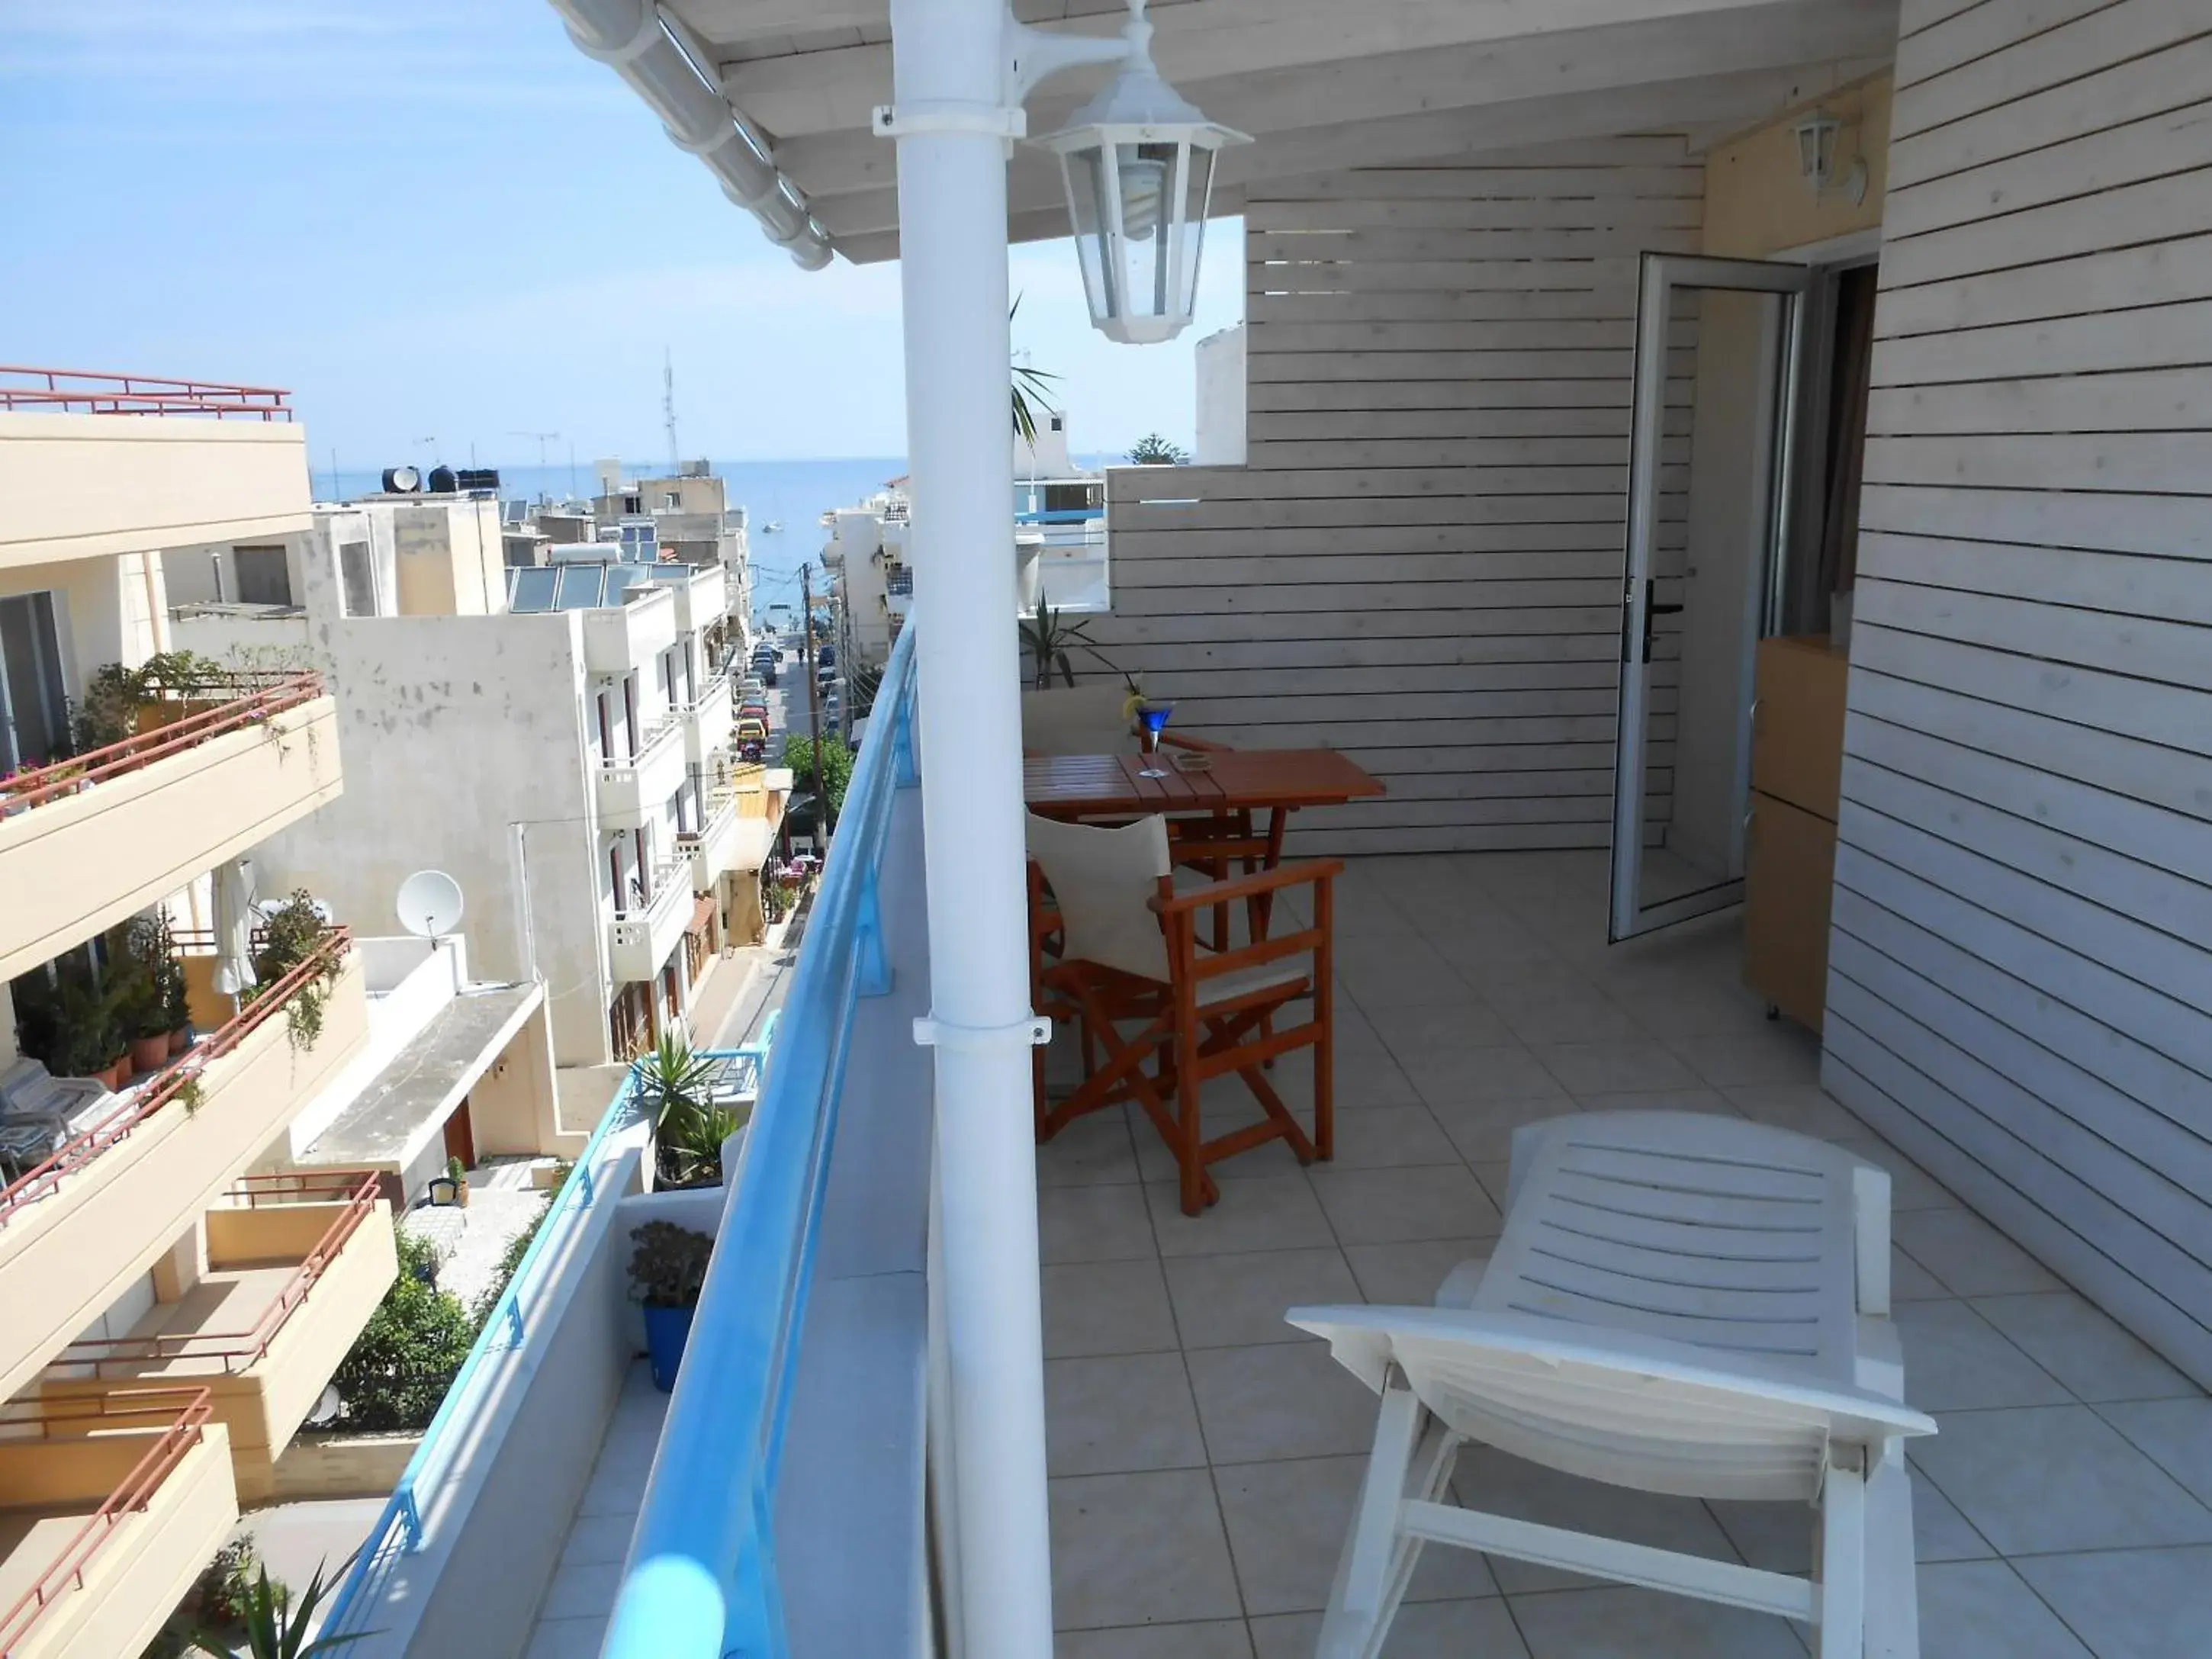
(794, 494)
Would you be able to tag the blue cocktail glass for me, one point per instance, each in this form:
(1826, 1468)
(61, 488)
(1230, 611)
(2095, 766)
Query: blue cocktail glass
(1153, 719)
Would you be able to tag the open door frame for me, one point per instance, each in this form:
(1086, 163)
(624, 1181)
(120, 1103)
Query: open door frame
(1661, 275)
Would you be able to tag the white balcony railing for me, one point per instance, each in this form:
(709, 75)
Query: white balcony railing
(632, 788)
(640, 941)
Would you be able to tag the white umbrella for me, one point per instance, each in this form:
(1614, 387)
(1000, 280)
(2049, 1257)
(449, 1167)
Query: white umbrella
(233, 929)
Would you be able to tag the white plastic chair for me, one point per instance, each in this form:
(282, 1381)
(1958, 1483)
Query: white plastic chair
(1078, 719)
(1681, 1304)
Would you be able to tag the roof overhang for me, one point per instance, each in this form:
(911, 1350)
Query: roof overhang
(1322, 85)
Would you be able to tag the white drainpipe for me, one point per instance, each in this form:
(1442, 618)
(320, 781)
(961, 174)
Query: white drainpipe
(631, 38)
(952, 117)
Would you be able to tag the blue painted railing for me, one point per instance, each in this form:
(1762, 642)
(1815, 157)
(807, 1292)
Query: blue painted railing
(1060, 515)
(399, 1530)
(702, 1581)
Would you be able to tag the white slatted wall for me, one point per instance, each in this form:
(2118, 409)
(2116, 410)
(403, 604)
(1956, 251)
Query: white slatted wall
(1420, 562)
(2020, 993)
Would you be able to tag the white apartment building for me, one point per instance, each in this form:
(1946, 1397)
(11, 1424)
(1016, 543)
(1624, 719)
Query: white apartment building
(555, 736)
(689, 515)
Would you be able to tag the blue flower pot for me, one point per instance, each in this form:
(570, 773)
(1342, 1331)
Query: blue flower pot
(667, 1330)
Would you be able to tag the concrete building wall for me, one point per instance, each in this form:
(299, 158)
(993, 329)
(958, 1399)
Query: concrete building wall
(107, 609)
(453, 731)
(1218, 362)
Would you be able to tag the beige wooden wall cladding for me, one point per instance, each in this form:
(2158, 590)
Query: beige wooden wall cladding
(2021, 992)
(1420, 562)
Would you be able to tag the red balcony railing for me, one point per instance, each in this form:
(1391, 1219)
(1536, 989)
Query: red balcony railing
(236, 1351)
(188, 1410)
(91, 392)
(168, 1084)
(254, 698)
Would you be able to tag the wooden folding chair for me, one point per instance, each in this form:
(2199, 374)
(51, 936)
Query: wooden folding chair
(1159, 1013)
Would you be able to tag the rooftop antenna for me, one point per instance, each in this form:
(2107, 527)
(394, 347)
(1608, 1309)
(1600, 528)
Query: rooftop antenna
(543, 439)
(668, 406)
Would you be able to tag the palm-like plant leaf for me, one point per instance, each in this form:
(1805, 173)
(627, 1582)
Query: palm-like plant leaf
(277, 1626)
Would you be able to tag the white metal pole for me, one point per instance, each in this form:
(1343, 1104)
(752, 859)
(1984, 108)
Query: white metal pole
(950, 118)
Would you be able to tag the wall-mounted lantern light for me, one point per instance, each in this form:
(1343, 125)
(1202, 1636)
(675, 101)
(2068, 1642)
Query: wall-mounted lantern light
(1137, 163)
(1817, 134)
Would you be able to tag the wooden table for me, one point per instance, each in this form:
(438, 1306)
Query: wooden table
(1280, 781)
(1214, 806)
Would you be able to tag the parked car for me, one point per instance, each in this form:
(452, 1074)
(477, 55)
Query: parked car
(827, 656)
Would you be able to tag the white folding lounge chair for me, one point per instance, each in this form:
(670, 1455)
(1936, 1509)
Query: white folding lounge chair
(1680, 1304)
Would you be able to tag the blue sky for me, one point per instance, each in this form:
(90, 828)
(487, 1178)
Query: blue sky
(443, 221)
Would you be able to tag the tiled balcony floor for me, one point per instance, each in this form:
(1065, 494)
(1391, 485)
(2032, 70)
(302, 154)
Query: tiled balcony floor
(1205, 1455)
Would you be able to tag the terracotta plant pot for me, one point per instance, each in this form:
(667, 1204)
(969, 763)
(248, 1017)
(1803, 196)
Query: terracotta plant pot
(180, 1039)
(117, 1071)
(149, 1054)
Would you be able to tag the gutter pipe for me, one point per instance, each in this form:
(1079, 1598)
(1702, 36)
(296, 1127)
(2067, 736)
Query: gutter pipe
(639, 42)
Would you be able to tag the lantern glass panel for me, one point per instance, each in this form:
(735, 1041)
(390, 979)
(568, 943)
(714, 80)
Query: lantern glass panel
(1087, 209)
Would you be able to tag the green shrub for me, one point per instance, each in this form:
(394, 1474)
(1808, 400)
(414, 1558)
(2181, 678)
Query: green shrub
(398, 1371)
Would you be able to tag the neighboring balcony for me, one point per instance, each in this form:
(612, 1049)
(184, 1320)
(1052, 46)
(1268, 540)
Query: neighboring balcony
(712, 848)
(81, 483)
(86, 842)
(702, 592)
(639, 941)
(295, 1265)
(109, 1510)
(632, 789)
(628, 638)
(707, 723)
(76, 1229)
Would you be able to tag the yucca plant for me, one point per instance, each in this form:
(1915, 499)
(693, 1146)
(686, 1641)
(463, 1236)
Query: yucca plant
(689, 1126)
(274, 1625)
(1030, 385)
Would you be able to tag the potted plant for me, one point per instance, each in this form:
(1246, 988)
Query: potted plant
(457, 1173)
(87, 1037)
(293, 932)
(144, 1014)
(689, 1125)
(666, 1270)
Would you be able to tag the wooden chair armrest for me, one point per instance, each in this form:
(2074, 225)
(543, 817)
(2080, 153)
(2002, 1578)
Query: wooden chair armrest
(1265, 881)
(1184, 740)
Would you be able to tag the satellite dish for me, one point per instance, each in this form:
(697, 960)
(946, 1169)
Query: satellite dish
(429, 903)
(401, 481)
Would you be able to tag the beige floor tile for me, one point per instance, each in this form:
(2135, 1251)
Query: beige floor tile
(1483, 1130)
(1778, 1052)
(1588, 1016)
(1778, 1537)
(1805, 1107)
(1982, 1610)
(2135, 1604)
(1093, 1149)
(1490, 1480)
(1094, 1224)
(596, 1538)
(1425, 1029)
(2082, 1348)
(1388, 1206)
(1586, 1069)
(1268, 1403)
(1106, 1306)
(1955, 1360)
(1971, 1257)
(2054, 1479)
(1253, 1212)
(567, 1639)
(1711, 1102)
(1614, 1623)
(583, 1592)
(1120, 1413)
(1911, 1282)
(1215, 1639)
(1470, 1076)
(1138, 1549)
(2175, 1434)
(1238, 1301)
(1286, 1524)
(1389, 1137)
(1422, 1630)
(1407, 1274)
